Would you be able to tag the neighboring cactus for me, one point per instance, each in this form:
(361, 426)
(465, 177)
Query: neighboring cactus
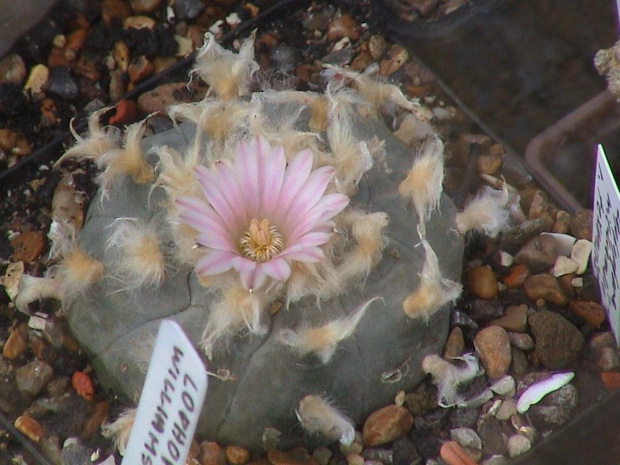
(271, 228)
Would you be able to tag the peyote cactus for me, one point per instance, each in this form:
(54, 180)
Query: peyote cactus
(307, 252)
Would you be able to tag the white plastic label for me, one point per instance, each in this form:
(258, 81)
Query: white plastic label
(605, 239)
(170, 403)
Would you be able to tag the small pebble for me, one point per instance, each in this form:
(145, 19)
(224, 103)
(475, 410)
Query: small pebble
(608, 359)
(519, 364)
(144, 6)
(236, 455)
(453, 454)
(386, 424)
(504, 386)
(211, 454)
(490, 431)
(404, 452)
(558, 342)
(14, 143)
(563, 266)
(50, 446)
(139, 69)
(506, 410)
(125, 113)
(420, 402)
(581, 224)
(581, 255)
(493, 347)
(517, 445)
(485, 310)
(611, 380)
(562, 222)
(538, 254)
(545, 286)
(75, 454)
(95, 420)
(455, 345)
(481, 281)
(466, 437)
(521, 341)
(62, 83)
(322, 455)
(604, 339)
(15, 345)
(160, 98)
(37, 81)
(32, 377)
(12, 69)
(397, 57)
(590, 312)
(188, 9)
(563, 243)
(377, 46)
(514, 319)
(516, 277)
(355, 459)
(343, 26)
(297, 456)
(30, 428)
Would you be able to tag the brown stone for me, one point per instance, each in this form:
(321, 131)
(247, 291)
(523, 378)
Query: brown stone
(386, 424)
(397, 57)
(377, 46)
(581, 224)
(30, 428)
(514, 319)
(211, 454)
(158, 99)
(15, 345)
(343, 26)
(361, 61)
(517, 276)
(95, 420)
(139, 69)
(236, 455)
(297, 456)
(545, 286)
(493, 347)
(558, 341)
(538, 254)
(562, 222)
(591, 312)
(611, 380)
(144, 6)
(114, 10)
(481, 281)
(455, 345)
(14, 143)
(12, 69)
(28, 246)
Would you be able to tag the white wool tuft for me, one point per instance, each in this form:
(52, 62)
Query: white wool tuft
(141, 261)
(433, 292)
(448, 377)
(423, 184)
(227, 73)
(317, 416)
(118, 431)
(323, 340)
(488, 212)
(32, 288)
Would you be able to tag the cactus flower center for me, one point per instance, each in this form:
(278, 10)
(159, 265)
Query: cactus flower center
(261, 242)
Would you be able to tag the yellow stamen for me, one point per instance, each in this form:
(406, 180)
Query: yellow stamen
(261, 242)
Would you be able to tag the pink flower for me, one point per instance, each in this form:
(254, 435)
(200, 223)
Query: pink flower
(261, 214)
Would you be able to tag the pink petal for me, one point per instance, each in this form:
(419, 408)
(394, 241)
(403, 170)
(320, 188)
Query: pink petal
(243, 264)
(215, 194)
(247, 172)
(309, 195)
(295, 177)
(233, 191)
(215, 262)
(253, 279)
(313, 239)
(274, 170)
(201, 216)
(304, 254)
(215, 241)
(326, 208)
(278, 268)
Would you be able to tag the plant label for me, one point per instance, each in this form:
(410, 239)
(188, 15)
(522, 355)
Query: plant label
(606, 238)
(170, 403)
